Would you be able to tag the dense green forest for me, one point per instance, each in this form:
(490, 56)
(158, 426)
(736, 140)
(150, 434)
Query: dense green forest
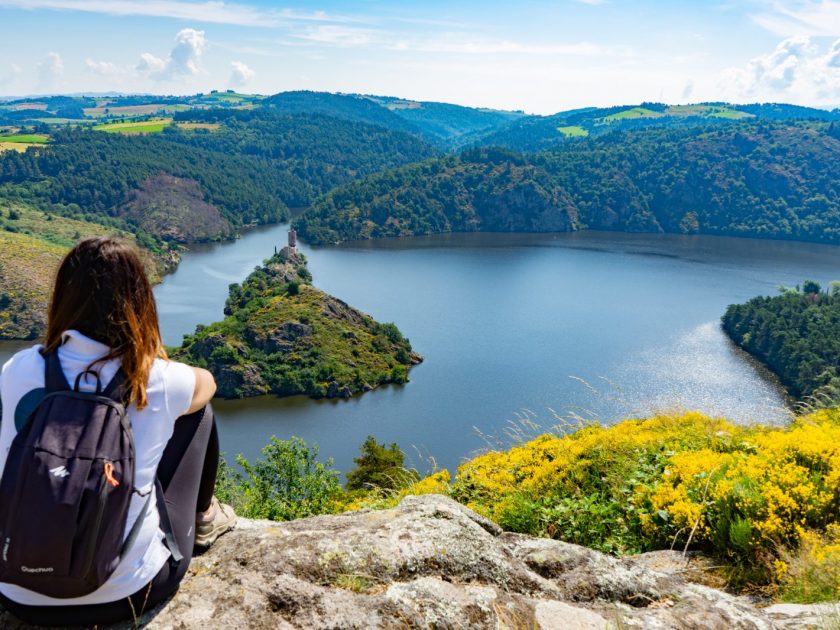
(757, 179)
(797, 335)
(283, 336)
(484, 190)
(321, 151)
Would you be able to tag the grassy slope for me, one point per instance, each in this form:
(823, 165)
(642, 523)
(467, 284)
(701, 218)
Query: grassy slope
(31, 246)
(633, 112)
(27, 265)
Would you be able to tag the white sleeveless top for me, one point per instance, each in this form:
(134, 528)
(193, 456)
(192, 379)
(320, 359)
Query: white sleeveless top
(170, 391)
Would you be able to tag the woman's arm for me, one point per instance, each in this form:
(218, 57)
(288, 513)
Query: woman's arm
(205, 387)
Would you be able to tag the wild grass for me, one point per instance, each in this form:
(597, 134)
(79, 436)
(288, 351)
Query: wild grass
(811, 573)
(55, 229)
(27, 265)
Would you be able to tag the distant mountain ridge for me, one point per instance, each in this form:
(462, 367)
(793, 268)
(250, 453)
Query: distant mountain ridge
(536, 133)
(445, 125)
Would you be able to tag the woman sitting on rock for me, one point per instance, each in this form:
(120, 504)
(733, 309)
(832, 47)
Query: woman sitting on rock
(103, 322)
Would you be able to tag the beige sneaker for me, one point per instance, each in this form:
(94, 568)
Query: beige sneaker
(220, 518)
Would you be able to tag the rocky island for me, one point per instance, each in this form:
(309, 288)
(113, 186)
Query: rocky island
(283, 336)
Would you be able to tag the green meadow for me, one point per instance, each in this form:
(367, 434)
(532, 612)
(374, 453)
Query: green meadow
(135, 127)
(26, 138)
(573, 131)
(633, 112)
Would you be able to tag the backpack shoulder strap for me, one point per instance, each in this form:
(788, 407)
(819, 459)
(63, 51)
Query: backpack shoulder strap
(171, 543)
(166, 525)
(54, 379)
(117, 389)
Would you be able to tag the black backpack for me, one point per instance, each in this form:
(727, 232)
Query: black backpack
(66, 489)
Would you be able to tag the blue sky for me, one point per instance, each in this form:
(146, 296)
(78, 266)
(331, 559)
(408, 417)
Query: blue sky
(541, 56)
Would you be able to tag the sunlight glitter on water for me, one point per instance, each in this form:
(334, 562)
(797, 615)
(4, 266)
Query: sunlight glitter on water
(710, 374)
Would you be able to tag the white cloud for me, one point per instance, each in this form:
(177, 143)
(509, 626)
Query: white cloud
(211, 11)
(183, 61)
(240, 74)
(189, 44)
(817, 18)
(591, 2)
(833, 58)
(688, 90)
(151, 65)
(13, 72)
(446, 43)
(50, 70)
(103, 68)
(796, 71)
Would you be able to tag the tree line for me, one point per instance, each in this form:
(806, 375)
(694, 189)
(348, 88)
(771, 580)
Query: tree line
(797, 335)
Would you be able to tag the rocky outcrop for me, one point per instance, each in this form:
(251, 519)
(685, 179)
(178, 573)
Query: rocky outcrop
(432, 563)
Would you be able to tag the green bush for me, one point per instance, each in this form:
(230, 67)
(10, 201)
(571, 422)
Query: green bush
(380, 467)
(286, 483)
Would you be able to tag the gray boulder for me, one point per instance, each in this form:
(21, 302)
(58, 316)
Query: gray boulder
(432, 563)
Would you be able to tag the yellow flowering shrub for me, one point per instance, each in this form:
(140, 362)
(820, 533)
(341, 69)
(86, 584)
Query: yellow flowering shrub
(770, 487)
(741, 492)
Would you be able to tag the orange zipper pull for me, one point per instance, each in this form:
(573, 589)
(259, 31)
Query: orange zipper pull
(109, 474)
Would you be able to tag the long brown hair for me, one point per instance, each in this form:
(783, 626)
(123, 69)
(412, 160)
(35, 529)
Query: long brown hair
(101, 290)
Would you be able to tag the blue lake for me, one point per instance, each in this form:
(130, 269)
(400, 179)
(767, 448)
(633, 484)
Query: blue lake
(519, 332)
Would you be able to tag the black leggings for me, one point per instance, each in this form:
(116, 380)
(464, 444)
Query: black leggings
(187, 473)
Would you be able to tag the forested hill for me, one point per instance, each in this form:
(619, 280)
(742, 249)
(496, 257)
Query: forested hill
(537, 133)
(449, 125)
(443, 124)
(486, 190)
(343, 106)
(167, 184)
(759, 179)
(797, 335)
(322, 151)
